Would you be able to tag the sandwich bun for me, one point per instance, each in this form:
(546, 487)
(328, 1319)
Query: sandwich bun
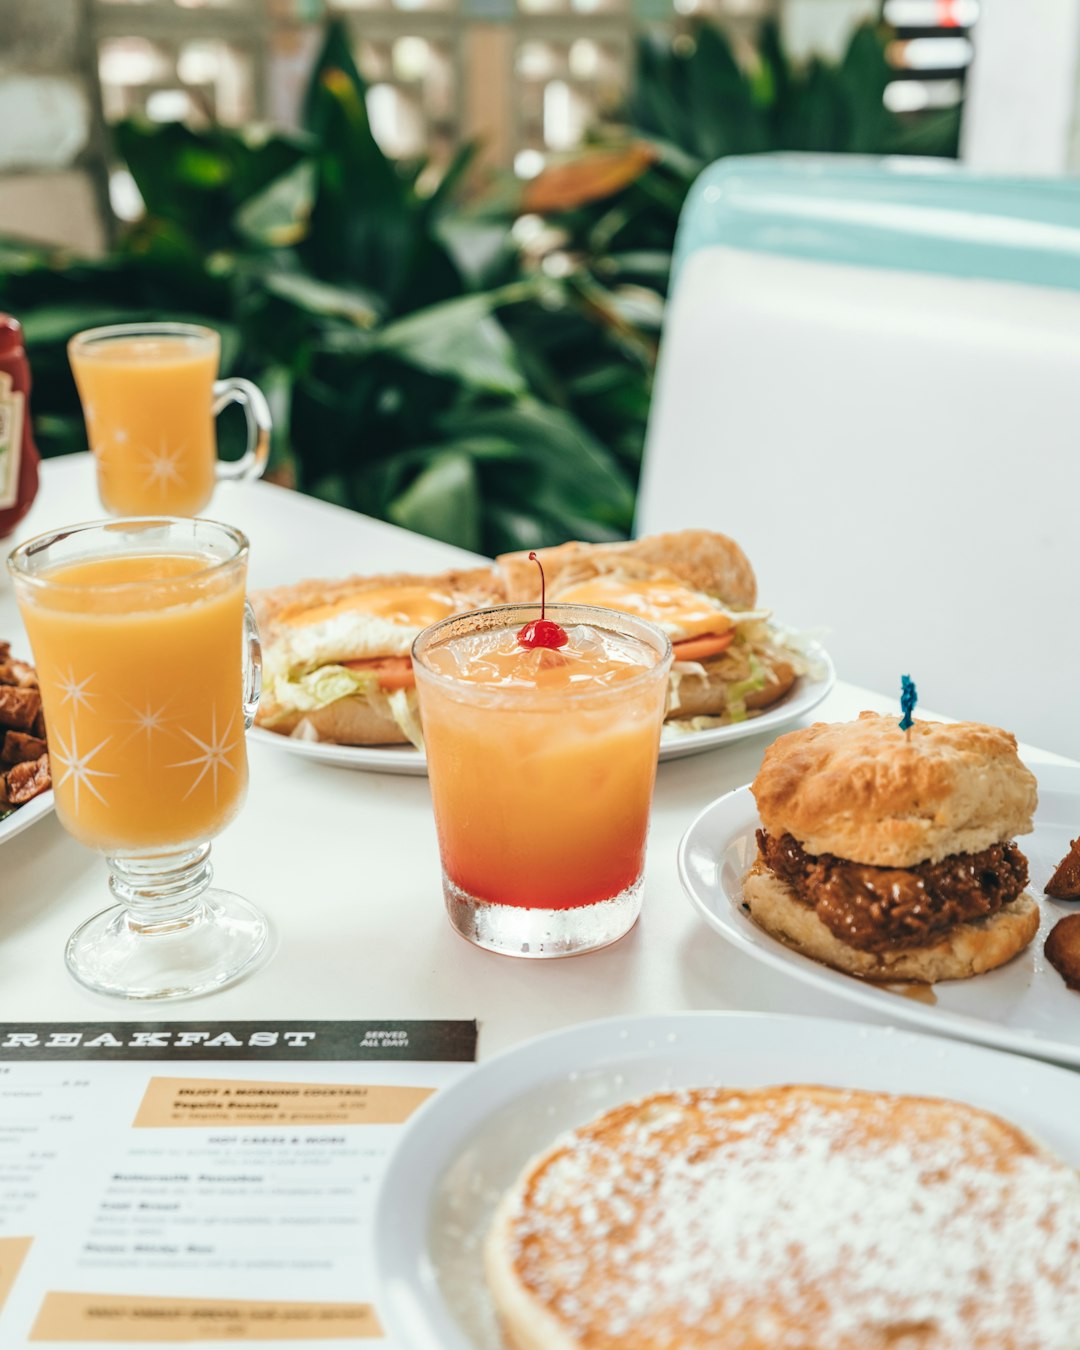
(703, 560)
(316, 624)
(963, 950)
(347, 721)
(705, 695)
(867, 792)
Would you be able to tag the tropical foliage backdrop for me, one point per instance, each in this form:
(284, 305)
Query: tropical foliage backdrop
(472, 364)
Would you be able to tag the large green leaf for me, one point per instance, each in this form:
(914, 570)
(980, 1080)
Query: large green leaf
(460, 338)
(865, 72)
(453, 176)
(365, 223)
(564, 466)
(443, 502)
(717, 98)
(279, 214)
(198, 181)
(320, 298)
(335, 54)
(483, 251)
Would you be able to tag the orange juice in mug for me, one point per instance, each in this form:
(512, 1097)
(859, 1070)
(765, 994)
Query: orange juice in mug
(137, 630)
(142, 762)
(150, 394)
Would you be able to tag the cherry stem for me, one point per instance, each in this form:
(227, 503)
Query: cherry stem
(543, 587)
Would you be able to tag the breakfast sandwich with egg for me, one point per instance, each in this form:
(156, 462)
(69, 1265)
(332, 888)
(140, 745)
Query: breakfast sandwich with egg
(336, 663)
(699, 587)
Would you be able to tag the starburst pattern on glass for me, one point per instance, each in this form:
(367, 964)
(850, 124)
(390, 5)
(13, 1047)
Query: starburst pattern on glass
(75, 691)
(76, 764)
(147, 721)
(155, 608)
(214, 756)
(163, 466)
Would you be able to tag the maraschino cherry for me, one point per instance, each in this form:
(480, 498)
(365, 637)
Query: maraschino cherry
(542, 632)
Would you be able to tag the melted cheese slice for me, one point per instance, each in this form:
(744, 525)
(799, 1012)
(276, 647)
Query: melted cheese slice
(678, 610)
(404, 606)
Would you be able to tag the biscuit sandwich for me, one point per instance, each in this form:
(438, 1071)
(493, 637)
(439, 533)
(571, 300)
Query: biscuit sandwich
(891, 854)
(336, 663)
(699, 587)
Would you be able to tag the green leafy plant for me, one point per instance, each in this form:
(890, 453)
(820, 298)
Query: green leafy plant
(422, 364)
(372, 314)
(615, 207)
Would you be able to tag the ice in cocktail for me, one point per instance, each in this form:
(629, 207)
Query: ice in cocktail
(542, 762)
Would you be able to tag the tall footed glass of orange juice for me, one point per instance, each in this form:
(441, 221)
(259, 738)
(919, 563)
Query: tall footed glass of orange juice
(148, 662)
(542, 762)
(150, 394)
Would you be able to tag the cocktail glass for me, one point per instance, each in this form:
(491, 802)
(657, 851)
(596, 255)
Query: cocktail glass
(150, 394)
(542, 790)
(149, 665)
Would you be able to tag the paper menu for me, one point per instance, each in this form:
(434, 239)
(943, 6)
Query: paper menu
(171, 1183)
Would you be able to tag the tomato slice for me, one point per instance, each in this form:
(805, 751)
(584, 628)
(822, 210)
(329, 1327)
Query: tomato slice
(393, 672)
(701, 648)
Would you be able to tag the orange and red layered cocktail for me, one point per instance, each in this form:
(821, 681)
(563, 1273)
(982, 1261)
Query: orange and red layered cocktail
(542, 762)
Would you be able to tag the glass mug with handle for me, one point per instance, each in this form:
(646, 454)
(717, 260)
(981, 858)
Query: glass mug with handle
(150, 394)
(149, 665)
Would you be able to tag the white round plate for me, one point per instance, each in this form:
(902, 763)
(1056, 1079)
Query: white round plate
(805, 695)
(1023, 1006)
(22, 818)
(469, 1142)
(378, 758)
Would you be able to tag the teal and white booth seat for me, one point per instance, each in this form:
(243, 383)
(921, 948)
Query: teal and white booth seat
(870, 377)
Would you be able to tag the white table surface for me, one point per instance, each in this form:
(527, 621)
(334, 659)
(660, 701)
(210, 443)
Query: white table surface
(345, 863)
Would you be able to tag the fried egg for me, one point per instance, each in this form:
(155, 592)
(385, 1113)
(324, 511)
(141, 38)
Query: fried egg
(383, 621)
(676, 608)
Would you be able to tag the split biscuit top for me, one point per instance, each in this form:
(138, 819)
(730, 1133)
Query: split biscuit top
(870, 793)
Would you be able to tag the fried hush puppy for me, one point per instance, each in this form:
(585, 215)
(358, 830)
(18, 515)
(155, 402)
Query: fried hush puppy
(1062, 949)
(1065, 883)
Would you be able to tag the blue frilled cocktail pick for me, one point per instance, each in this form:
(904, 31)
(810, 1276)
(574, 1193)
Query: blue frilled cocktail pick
(908, 698)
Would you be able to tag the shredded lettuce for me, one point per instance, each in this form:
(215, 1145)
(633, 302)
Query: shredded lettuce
(736, 694)
(744, 668)
(405, 711)
(803, 649)
(680, 669)
(291, 692)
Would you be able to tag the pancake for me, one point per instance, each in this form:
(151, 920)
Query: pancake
(807, 1218)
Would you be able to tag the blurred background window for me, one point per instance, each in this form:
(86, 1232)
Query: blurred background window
(526, 79)
(931, 52)
(439, 233)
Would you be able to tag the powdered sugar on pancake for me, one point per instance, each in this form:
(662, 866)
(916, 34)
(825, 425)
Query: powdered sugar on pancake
(799, 1218)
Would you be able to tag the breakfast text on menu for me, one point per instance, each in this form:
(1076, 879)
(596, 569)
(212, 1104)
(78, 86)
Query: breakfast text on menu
(191, 1182)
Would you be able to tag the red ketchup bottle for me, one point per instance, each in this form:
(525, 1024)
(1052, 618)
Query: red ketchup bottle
(18, 454)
